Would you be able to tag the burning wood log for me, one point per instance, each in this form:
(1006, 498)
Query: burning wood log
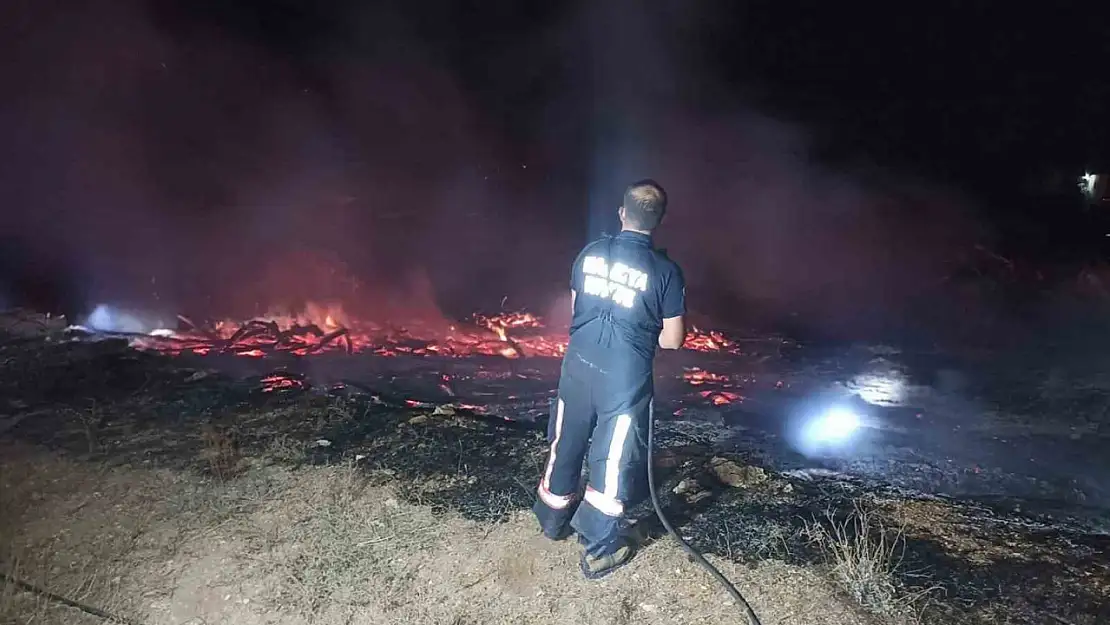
(252, 329)
(327, 339)
(205, 331)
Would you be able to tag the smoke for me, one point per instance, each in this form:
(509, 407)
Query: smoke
(559, 312)
(167, 158)
(765, 232)
(179, 161)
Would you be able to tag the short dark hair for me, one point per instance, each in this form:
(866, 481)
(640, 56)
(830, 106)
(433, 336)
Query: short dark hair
(645, 203)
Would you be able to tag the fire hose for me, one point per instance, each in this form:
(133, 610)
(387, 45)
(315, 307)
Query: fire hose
(56, 598)
(690, 551)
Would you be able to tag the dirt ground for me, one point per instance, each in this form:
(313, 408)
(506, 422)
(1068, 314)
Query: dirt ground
(334, 544)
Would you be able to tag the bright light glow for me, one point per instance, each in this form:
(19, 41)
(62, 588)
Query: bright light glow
(826, 431)
(108, 319)
(835, 425)
(1087, 183)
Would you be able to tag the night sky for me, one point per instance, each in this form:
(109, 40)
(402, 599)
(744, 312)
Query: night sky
(822, 158)
(959, 90)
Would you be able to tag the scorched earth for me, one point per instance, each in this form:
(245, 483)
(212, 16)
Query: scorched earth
(948, 514)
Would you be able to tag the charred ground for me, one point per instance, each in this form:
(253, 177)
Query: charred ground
(982, 529)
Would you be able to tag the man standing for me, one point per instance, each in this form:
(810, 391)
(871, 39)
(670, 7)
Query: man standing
(627, 298)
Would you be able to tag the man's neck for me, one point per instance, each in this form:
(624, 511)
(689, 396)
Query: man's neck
(646, 233)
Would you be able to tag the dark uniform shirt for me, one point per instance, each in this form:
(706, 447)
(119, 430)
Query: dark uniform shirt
(625, 289)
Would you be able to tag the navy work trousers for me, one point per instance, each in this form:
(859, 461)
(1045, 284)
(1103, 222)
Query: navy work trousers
(601, 411)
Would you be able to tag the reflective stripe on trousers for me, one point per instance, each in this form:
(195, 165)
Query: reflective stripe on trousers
(608, 501)
(558, 502)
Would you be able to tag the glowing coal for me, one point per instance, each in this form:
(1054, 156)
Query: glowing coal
(422, 363)
(697, 376)
(322, 328)
(709, 341)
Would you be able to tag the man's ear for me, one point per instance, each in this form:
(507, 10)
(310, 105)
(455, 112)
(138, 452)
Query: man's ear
(620, 212)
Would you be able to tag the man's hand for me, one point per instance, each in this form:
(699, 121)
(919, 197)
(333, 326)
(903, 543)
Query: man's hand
(673, 334)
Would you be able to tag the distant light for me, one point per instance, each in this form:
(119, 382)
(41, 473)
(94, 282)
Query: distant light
(1087, 183)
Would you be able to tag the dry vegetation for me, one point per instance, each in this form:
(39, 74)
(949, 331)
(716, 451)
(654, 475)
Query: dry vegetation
(863, 555)
(336, 544)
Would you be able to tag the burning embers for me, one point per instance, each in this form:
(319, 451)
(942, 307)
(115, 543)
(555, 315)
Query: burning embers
(718, 395)
(709, 341)
(494, 385)
(321, 329)
(282, 381)
(696, 377)
(501, 324)
(722, 398)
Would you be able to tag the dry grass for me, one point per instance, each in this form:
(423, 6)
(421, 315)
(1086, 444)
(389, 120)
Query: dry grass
(325, 545)
(220, 452)
(864, 556)
(75, 552)
(104, 536)
(286, 449)
(332, 545)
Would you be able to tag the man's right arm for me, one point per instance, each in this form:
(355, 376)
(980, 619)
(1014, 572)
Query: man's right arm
(673, 334)
(674, 310)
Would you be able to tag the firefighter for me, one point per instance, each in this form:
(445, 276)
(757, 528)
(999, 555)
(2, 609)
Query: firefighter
(627, 297)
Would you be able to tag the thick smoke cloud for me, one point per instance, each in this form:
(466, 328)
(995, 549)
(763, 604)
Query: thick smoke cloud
(164, 160)
(171, 162)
